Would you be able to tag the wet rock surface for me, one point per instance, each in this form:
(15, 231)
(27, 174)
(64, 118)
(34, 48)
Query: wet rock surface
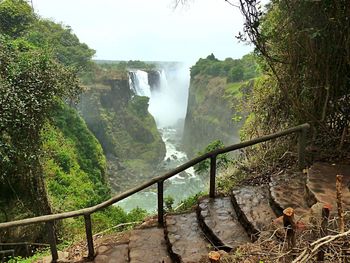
(219, 220)
(148, 245)
(143, 245)
(252, 206)
(288, 189)
(230, 221)
(115, 254)
(321, 182)
(186, 240)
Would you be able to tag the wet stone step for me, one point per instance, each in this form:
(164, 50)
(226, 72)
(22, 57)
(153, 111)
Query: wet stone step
(288, 189)
(321, 181)
(220, 223)
(118, 253)
(186, 241)
(148, 245)
(254, 212)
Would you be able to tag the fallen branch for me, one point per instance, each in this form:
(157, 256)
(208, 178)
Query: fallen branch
(310, 251)
(117, 226)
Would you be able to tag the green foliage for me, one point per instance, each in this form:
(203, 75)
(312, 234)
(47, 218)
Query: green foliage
(74, 163)
(65, 45)
(169, 201)
(31, 82)
(114, 216)
(234, 69)
(140, 105)
(231, 177)
(304, 53)
(222, 160)
(16, 17)
(189, 202)
(104, 70)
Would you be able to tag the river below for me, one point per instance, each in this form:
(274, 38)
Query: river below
(178, 187)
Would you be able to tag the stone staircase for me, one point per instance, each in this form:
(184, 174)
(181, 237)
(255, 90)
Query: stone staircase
(225, 222)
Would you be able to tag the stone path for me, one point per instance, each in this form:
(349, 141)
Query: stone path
(220, 221)
(148, 245)
(144, 245)
(289, 190)
(253, 209)
(187, 243)
(227, 222)
(321, 182)
(115, 254)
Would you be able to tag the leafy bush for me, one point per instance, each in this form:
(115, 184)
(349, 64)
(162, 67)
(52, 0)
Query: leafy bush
(222, 160)
(234, 69)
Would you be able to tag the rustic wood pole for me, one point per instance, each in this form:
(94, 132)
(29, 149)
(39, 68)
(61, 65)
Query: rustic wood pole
(212, 176)
(339, 186)
(52, 240)
(160, 203)
(290, 225)
(324, 229)
(301, 148)
(89, 238)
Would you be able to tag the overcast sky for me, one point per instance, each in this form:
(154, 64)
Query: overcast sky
(151, 30)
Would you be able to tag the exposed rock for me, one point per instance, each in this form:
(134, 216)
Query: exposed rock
(252, 206)
(148, 245)
(219, 220)
(185, 239)
(209, 115)
(288, 189)
(321, 180)
(127, 132)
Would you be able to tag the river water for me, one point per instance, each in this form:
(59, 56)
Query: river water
(168, 103)
(178, 187)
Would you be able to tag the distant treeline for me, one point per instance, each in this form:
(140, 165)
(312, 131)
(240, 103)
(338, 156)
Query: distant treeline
(234, 69)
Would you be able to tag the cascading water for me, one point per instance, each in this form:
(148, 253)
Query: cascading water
(138, 81)
(167, 105)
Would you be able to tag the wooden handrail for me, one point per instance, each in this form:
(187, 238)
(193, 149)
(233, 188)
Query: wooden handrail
(159, 180)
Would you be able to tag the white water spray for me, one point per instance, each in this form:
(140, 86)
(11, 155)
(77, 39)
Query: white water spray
(168, 102)
(138, 81)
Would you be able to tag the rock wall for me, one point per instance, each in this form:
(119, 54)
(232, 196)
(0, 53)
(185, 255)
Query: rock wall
(209, 114)
(127, 132)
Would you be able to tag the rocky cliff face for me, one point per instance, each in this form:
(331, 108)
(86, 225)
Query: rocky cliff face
(209, 114)
(127, 132)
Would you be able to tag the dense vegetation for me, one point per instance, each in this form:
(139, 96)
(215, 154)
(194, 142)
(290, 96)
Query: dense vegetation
(234, 70)
(103, 70)
(49, 160)
(32, 82)
(126, 130)
(217, 96)
(304, 52)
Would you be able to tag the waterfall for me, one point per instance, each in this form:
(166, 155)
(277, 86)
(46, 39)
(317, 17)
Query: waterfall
(138, 81)
(167, 90)
(163, 82)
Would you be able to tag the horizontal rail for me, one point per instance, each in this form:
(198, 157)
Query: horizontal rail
(25, 244)
(155, 180)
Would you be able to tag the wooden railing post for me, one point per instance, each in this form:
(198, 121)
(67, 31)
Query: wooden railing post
(160, 203)
(89, 238)
(52, 240)
(212, 176)
(290, 225)
(324, 229)
(301, 148)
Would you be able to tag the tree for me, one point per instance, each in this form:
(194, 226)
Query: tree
(304, 52)
(65, 45)
(222, 159)
(31, 82)
(16, 16)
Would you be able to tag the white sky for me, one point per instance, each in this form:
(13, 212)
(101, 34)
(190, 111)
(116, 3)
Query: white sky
(151, 30)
